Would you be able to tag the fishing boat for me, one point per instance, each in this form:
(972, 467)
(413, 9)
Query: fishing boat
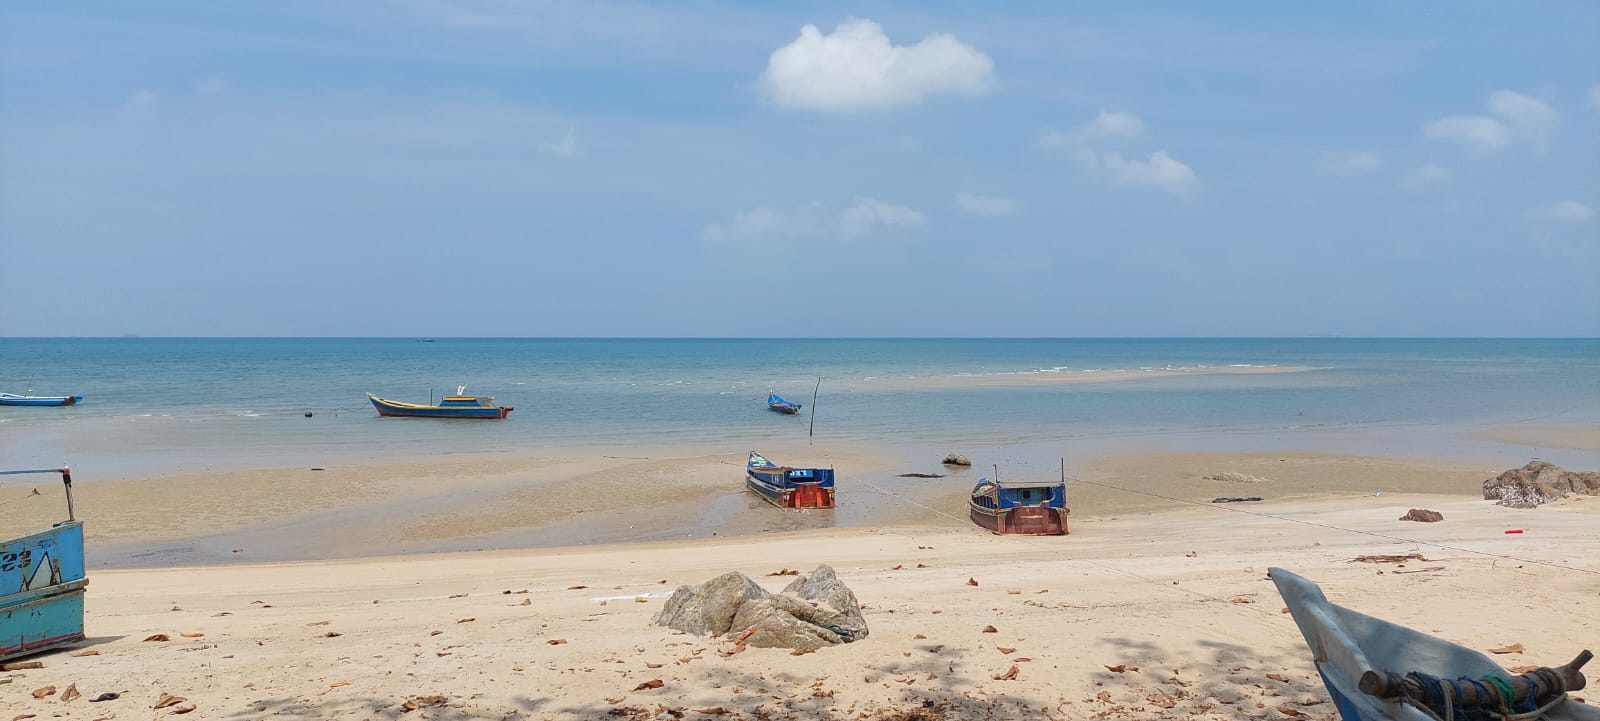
(1022, 509)
(777, 403)
(787, 487)
(12, 399)
(1361, 660)
(459, 405)
(42, 581)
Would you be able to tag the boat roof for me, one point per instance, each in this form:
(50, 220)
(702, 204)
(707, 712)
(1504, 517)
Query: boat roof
(1027, 484)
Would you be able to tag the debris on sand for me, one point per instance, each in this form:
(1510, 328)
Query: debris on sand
(1246, 499)
(1423, 515)
(1233, 477)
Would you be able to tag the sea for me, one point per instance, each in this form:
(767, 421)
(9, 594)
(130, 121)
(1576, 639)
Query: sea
(154, 405)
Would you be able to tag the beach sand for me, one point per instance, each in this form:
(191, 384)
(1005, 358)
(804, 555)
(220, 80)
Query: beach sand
(1182, 595)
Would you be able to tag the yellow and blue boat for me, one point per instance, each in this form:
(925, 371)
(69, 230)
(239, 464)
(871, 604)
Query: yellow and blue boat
(456, 406)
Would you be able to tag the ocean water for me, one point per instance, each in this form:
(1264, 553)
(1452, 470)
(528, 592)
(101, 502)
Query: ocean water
(154, 404)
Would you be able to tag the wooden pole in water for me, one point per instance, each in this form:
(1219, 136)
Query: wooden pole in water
(812, 431)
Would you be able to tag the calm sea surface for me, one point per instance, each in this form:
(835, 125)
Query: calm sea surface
(159, 403)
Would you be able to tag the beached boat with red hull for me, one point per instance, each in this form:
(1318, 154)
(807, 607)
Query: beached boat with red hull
(1026, 509)
(787, 487)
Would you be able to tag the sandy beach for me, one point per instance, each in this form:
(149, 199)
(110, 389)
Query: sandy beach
(566, 634)
(1153, 578)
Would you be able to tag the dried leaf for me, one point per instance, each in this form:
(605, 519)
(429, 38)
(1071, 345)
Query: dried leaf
(647, 664)
(556, 641)
(107, 696)
(338, 684)
(713, 711)
(44, 692)
(990, 629)
(1513, 648)
(1190, 554)
(652, 683)
(332, 634)
(526, 602)
(467, 620)
(1290, 711)
(922, 565)
(1104, 696)
(1119, 668)
(972, 581)
(412, 704)
(435, 633)
(898, 567)
(166, 699)
(576, 588)
(87, 652)
(919, 636)
(157, 637)
(1242, 599)
(785, 572)
(186, 708)
(802, 651)
(22, 665)
(191, 634)
(21, 716)
(1009, 674)
(1005, 650)
(1277, 677)
(174, 608)
(71, 693)
(459, 595)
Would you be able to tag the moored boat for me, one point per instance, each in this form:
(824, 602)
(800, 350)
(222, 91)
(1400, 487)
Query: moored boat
(12, 399)
(456, 406)
(1028, 509)
(1361, 658)
(787, 487)
(42, 583)
(777, 403)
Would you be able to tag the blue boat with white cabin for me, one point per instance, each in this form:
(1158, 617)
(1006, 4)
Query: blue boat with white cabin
(42, 583)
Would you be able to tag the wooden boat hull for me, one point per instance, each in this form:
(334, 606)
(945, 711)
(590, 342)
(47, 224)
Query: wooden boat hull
(396, 409)
(7, 399)
(1023, 521)
(798, 495)
(789, 409)
(47, 609)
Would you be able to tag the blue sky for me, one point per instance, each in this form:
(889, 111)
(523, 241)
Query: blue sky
(498, 168)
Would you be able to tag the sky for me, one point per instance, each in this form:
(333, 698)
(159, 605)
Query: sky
(727, 169)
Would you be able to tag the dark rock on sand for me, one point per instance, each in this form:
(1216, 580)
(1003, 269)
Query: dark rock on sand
(1539, 482)
(812, 612)
(1424, 515)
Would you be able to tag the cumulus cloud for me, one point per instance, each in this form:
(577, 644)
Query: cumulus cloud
(1157, 170)
(1427, 177)
(1105, 126)
(1512, 116)
(864, 218)
(1353, 162)
(974, 204)
(566, 147)
(856, 67)
(1564, 213)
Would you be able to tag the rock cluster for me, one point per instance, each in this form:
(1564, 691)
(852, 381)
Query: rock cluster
(956, 459)
(1539, 482)
(810, 613)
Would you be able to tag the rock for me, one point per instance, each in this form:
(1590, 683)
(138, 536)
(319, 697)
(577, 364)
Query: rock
(810, 613)
(1539, 482)
(956, 459)
(1424, 515)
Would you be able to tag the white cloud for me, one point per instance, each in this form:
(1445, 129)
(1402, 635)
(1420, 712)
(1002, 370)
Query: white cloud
(864, 218)
(869, 215)
(1427, 177)
(1158, 170)
(1513, 116)
(1566, 212)
(212, 85)
(1351, 162)
(857, 68)
(1594, 97)
(974, 204)
(1475, 132)
(1105, 126)
(140, 101)
(566, 147)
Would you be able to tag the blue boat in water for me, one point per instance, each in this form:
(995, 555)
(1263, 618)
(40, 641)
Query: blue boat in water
(456, 406)
(777, 403)
(42, 581)
(12, 399)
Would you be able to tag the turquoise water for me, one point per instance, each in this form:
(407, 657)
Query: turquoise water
(153, 404)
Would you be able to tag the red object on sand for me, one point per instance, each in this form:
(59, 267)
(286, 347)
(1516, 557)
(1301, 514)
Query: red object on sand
(1514, 530)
